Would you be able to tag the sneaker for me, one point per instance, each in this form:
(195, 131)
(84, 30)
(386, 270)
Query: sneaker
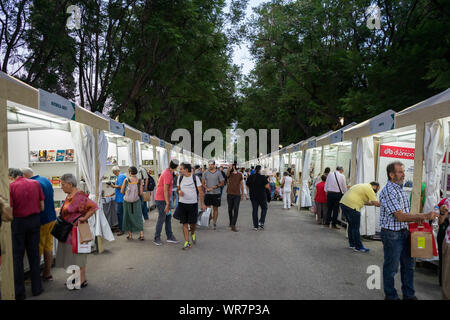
(233, 228)
(261, 226)
(255, 229)
(362, 249)
(215, 226)
(350, 247)
(172, 239)
(187, 245)
(194, 237)
(157, 242)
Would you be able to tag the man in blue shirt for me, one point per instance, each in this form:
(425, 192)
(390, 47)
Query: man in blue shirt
(118, 195)
(253, 170)
(48, 217)
(394, 217)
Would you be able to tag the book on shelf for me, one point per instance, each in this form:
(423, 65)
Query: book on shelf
(51, 155)
(69, 155)
(112, 160)
(56, 181)
(42, 155)
(60, 155)
(34, 156)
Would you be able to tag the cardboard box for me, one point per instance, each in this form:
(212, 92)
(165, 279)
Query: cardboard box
(421, 245)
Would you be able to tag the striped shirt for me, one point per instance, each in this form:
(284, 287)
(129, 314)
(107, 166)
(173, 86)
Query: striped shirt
(392, 199)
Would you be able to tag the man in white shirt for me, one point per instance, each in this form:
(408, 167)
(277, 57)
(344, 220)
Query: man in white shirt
(187, 209)
(286, 184)
(335, 187)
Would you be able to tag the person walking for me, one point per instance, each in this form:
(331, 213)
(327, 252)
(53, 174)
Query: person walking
(77, 206)
(118, 196)
(190, 190)
(212, 180)
(132, 189)
(286, 184)
(144, 177)
(335, 187)
(321, 201)
(257, 184)
(162, 200)
(235, 193)
(272, 184)
(225, 181)
(394, 217)
(48, 219)
(353, 200)
(27, 201)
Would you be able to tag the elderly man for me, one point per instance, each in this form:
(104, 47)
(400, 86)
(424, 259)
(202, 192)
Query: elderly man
(335, 187)
(118, 195)
(27, 201)
(48, 218)
(394, 217)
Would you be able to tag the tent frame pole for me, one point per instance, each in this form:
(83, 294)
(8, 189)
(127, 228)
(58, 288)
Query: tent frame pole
(418, 167)
(7, 282)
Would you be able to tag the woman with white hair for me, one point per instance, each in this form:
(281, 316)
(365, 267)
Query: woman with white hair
(77, 207)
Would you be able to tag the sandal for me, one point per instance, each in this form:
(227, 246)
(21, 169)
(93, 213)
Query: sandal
(141, 238)
(49, 278)
(84, 284)
(129, 238)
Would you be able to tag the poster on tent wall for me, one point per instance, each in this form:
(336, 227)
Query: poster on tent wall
(395, 151)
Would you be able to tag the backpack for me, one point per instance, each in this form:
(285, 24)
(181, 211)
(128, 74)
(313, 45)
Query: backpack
(151, 183)
(131, 191)
(193, 178)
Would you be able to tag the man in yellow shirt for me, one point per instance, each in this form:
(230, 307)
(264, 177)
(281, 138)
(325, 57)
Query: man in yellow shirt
(351, 203)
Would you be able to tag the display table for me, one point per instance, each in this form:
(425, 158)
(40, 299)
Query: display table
(110, 210)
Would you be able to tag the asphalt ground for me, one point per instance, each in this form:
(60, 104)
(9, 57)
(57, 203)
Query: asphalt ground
(293, 258)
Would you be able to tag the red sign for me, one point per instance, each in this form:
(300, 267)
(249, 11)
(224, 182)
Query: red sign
(396, 152)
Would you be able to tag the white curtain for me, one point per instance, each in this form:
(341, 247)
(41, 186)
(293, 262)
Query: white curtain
(84, 143)
(365, 173)
(434, 150)
(306, 196)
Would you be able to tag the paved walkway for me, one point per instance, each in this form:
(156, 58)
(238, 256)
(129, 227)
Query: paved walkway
(293, 258)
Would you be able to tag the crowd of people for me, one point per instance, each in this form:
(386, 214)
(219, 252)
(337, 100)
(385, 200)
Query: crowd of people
(331, 192)
(182, 189)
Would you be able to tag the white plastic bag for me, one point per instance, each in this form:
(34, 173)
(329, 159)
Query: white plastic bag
(83, 247)
(203, 218)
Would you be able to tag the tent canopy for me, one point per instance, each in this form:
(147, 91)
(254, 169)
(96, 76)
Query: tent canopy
(433, 108)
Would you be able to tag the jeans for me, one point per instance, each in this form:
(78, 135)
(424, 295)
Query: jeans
(233, 207)
(397, 249)
(255, 204)
(144, 208)
(333, 199)
(272, 189)
(163, 218)
(25, 236)
(354, 220)
(120, 214)
(174, 199)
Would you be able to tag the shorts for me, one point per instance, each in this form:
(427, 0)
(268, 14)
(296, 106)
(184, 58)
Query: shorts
(212, 200)
(46, 240)
(188, 212)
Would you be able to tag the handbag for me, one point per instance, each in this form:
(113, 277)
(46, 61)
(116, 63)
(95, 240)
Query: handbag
(176, 214)
(62, 229)
(146, 196)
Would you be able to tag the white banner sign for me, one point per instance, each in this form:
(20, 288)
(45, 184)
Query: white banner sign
(116, 127)
(57, 105)
(336, 137)
(145, 137)
(383, 122)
